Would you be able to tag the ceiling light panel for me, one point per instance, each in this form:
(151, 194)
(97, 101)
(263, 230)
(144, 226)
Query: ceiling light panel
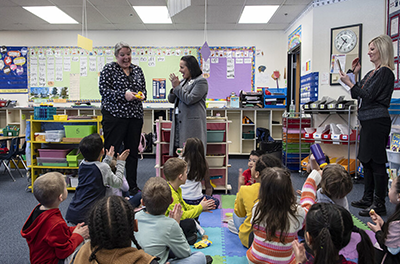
(51, 14)
(257, 14)
(153, 14)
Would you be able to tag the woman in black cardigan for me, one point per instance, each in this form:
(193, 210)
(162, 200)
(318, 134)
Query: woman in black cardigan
(374, 93)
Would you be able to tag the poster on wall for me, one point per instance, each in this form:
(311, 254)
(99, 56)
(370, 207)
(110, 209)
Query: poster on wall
(13, 70)
(393, 25)
(294, 38)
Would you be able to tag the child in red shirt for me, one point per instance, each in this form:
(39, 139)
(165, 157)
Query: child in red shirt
(245, 177)
(49, 238)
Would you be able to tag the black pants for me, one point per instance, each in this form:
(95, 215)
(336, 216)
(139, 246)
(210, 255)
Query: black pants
(126, 130)
(375, 180)
(189, 229)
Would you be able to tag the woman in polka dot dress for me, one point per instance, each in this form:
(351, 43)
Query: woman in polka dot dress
(123, 88)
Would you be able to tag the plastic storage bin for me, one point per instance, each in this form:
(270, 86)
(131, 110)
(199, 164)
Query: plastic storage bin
(248, 135)
(79, 131)
(74, 159)
(44, 112)
(40, 136)
(215, 135)
(54, 135)
(393, 156)
(10, 131)
(215, 161)
(165, 134)
(60, 117)
(52, 162)
(53, 153)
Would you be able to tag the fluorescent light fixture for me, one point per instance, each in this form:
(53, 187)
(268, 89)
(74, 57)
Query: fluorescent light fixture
(51, 14)
(257, 14)
(153, 14)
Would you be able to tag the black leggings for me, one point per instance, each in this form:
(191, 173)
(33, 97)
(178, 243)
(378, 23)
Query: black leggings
(127, 131)
(375, 180)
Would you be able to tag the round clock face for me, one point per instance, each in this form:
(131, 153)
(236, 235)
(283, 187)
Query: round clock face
(345, 41)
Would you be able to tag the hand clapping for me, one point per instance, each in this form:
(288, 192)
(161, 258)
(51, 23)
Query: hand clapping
(174, 80)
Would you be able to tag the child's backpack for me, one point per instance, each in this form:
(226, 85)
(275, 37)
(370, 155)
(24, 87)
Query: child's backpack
(142, 144)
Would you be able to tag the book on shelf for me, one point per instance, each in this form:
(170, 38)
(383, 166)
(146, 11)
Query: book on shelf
(395, 142)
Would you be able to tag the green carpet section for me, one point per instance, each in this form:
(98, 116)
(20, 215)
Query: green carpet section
(360, 224)
(218, 260)
(228, 201)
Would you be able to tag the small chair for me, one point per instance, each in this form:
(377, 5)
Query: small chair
(18, 154)
(6, 158)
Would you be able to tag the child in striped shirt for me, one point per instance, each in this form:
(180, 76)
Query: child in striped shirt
(277, 217)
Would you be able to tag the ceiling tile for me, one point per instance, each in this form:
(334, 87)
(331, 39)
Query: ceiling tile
(119, 14)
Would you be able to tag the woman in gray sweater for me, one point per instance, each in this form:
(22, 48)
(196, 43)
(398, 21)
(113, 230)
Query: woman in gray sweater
(189, 98)
(374, 93)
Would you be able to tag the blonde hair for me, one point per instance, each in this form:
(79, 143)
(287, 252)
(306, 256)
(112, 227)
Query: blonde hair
(48, 187)
(384, 45)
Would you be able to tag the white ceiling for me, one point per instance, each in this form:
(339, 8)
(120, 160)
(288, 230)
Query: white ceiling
(119, 15)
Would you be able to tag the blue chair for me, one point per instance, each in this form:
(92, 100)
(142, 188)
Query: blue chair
(5, 159)
(18, 154)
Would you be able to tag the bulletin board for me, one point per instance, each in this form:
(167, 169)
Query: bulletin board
(13, 70)
(229, 69)
(72, 73)
(393, 25)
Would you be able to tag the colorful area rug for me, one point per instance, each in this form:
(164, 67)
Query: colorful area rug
(226, 247)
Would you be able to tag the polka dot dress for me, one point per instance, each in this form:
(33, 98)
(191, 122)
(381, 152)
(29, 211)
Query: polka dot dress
(113, 85)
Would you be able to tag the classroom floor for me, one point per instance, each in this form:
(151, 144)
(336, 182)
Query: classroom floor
(16, 205)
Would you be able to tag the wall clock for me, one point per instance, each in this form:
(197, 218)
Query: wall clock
(346, 42)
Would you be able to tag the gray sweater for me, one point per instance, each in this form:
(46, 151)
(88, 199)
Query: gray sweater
(374, 93)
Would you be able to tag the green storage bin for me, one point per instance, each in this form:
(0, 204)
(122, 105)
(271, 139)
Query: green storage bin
(79, 131)
(74, 159)
(215, 135)
(248, 135)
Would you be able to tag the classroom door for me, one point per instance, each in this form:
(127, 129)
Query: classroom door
(293, 80)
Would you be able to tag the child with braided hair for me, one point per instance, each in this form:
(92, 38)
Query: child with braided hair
(111, 227)
(328, 230)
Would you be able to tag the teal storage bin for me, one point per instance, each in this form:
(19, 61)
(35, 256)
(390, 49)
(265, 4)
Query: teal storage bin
(215, 135)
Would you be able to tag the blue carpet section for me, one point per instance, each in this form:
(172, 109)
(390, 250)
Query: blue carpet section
(235, 260)
(215, 236)
(211, 219)
(233, 246)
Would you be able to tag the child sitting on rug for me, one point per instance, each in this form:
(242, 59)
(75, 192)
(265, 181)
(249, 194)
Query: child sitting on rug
(112, 225)
(194, 155)
(277, 217)
(93, 177)
(336, 183)
(247, 197)
(328, 230)
(175, 173)
(123, 191)
(159, 235)
(49, 238)
(245, 176)
(388, 234)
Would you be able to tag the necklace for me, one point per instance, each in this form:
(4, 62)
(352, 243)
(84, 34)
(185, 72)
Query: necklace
(369, 76)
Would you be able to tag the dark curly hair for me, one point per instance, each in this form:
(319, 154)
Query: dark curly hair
(111, 225)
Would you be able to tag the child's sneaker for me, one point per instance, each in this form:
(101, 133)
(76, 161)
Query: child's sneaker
(209, 259)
